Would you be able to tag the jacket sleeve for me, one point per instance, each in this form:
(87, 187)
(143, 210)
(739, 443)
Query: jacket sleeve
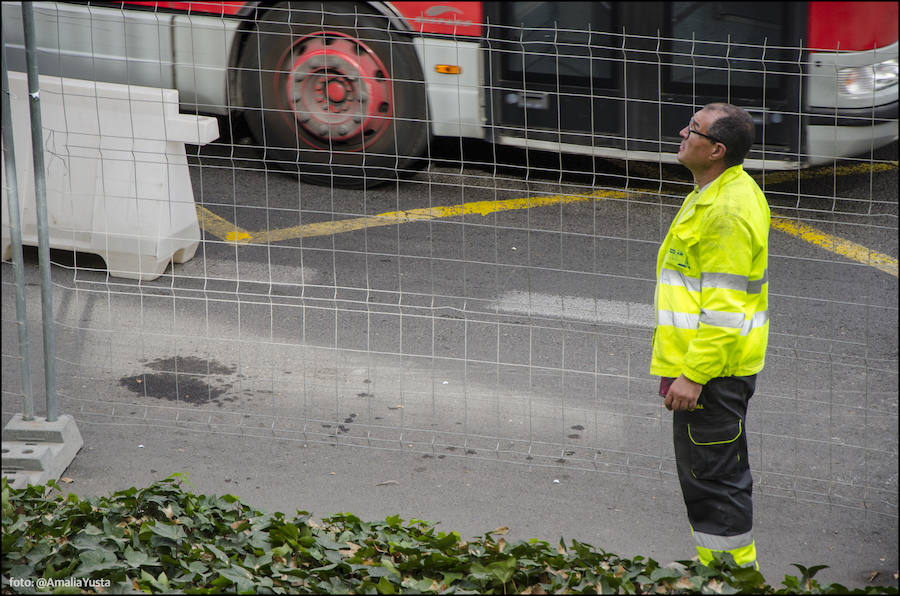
(725, 258)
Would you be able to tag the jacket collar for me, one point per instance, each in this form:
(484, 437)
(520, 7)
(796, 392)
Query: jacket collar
(712, 190)
(683, 226)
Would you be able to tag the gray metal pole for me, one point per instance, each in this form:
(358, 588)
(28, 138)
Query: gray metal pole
(40, 198)
(15, 236)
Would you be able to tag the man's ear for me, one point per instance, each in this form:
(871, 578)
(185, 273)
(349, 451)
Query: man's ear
(718, 152)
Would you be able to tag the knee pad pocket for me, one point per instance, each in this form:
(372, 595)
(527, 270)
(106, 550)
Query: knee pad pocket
(717, 450)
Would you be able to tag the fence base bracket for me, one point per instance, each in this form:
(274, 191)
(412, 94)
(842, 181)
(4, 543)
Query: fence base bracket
(35, 451)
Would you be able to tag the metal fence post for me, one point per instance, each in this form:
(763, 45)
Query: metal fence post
(35, 449)
(40, 196)
(15, 235)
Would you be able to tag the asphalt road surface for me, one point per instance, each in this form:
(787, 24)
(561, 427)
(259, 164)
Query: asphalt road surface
(470, 346)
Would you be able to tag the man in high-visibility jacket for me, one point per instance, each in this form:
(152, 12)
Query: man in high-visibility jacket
(712, 326)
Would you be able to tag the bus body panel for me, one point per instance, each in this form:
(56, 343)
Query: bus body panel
(461, 19)
(136, 47)
(579, 77)
(455, 102)
(851, 26)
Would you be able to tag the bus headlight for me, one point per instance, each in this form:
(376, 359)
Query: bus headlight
(862, 80)
(885, 74)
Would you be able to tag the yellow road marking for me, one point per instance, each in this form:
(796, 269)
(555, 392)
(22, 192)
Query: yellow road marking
(837, 245)
(221, 227)
(225, 230)
(398, 217)
(822, 171)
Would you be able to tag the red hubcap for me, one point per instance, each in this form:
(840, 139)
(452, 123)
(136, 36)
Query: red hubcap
(338, 90)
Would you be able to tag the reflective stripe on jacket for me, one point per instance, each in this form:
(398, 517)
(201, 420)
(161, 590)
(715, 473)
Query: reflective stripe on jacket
(711, 283)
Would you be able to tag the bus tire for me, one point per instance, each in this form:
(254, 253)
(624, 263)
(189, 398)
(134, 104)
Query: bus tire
(336, 96)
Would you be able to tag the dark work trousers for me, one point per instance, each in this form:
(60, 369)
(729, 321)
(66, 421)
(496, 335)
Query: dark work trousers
(712, 462)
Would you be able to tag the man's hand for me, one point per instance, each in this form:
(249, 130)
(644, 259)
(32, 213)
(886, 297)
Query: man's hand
(683, 394)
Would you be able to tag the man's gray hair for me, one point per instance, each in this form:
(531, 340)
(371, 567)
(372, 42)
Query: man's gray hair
(735, 129)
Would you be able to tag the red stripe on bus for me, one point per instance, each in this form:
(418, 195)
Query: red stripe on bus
(452, 18)
(223, 8)
(852, 26)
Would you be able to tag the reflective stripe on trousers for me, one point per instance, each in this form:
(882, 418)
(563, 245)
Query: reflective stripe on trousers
(742, 547)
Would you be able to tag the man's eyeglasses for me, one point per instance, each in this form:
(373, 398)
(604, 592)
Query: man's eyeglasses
(706, 136)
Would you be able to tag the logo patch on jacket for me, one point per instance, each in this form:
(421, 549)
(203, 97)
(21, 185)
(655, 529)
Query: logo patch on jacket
(681, 259)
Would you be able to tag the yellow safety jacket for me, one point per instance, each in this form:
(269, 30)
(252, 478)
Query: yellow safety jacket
(711, 283)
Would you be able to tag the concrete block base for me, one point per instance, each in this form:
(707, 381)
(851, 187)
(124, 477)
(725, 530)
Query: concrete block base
(35, 451)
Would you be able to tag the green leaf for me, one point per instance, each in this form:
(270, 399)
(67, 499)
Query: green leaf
(8, 541)
(748, 577)
(216, 552)
(253, 562)
(389, 565)
(476, 550)
(240, 576)
(96, 560)
(169, 531)
(86, 542)
(384, 586)
(336, 585)
(703, 571)
(281, 532)
(664, 573)
(37, 554)
(19, 571)
(92, 530)
(502, 570)
(325, 541)
(112, 530)
(259, 539)
(161, 582)
(136, 558)
(63, 572)
(281, 551)
(420, 586)
(19, 525)
(810, 572)
(444, 541)
(376, 571)
(478, 573)
(198, 568)
(608, 584)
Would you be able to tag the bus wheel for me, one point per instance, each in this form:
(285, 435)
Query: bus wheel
(335, 96)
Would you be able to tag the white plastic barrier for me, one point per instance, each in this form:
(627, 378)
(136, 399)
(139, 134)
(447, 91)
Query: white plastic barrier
(117, 177)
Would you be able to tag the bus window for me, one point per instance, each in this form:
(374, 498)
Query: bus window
(721, 46)
(557, 44)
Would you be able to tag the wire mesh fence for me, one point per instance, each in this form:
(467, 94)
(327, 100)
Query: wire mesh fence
(363, 280)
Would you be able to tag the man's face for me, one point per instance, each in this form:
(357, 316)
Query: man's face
(696, 148)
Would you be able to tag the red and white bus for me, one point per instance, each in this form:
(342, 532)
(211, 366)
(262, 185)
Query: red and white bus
(353, 91)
